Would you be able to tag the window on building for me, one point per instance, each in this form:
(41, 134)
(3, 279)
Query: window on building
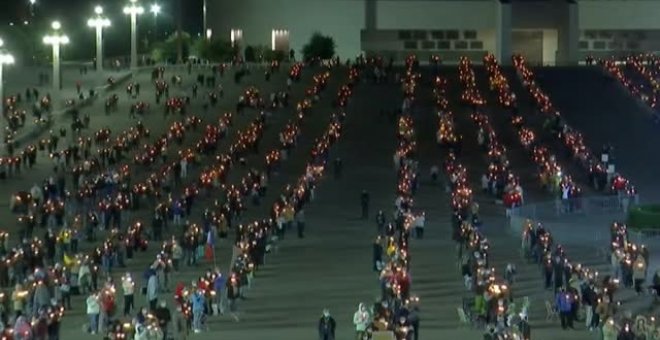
(452, 35)
(405, 35)
(583, 45)
(470, 35)
(419, 35)
(633, 45)
(235, 36)
(599, 45)
(428, 44)
(477, 45)
(590, 35)
(410, 44)
(280, 40)
(605, 34)
(444, 45)
(461, 45)
(438, 35)
(615, 45)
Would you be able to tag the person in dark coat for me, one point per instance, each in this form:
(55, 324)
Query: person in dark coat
(327, 326)
(364, 203)
(378, 253)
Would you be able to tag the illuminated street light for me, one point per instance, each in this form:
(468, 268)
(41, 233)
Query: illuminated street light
(155, 10)
(32, 3)
(134, 9)
(56, 39)
(5, 59)
(99, 22)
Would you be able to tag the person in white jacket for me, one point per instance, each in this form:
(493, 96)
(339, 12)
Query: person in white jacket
(93, 311)
(361, 321)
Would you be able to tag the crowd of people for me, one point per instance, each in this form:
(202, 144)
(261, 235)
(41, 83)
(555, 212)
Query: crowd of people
(398, 309)
(103, 193)
(599, 168)
(95, 188)
(585, 294)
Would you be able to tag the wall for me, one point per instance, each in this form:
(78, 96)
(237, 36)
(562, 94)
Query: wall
(341, 19)
(619, 14)
(411, 14)
(448, 44)
(618, 43)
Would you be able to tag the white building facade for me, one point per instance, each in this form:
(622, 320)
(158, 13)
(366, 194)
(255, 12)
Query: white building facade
(546, 31)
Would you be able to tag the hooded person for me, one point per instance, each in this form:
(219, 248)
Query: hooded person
(609, 330)
(327, 326)
(361, 320)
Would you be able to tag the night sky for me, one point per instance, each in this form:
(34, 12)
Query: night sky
(75, 12)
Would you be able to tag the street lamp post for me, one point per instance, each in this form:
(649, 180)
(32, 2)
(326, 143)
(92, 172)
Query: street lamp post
(56, 39)
(133, 9)
(99, 22)
(5, 59)
(155, 10)
(32, 3)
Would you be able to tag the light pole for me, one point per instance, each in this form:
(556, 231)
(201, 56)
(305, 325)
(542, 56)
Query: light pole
(5, 59)
(206, 28)
(32, 3)
(134, 9)
(155, 10)
(99, 22)
(56, 38)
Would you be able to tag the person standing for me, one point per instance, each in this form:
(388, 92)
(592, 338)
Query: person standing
(381, 220)
(378, 253)
(564, 303)
(164, 317)
(327, 326)
(639, 273)
(361, 321)
(364, 203)
(197, 301)
(128, 286)
(152, 289)
(300, 222)
(93, 311)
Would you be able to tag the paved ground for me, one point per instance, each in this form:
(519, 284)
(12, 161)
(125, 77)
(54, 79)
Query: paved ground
(330, 267)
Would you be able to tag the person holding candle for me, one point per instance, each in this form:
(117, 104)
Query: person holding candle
(93, 311)
(361, 320)
(564, 303)
(639, 273)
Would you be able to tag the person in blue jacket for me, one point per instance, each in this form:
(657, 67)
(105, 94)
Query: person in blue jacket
(564, 304)
(197, 301)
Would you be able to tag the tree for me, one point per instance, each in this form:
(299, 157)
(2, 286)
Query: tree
(215, 50)
(168, 50)
(250, 54)
(319, 47)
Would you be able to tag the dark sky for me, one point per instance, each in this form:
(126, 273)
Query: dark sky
(75, 12)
